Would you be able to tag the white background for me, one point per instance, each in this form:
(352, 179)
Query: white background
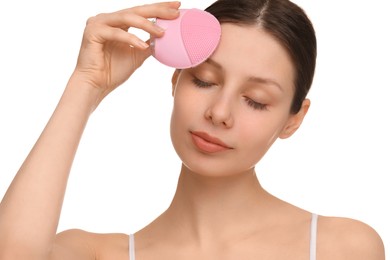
(126, 170)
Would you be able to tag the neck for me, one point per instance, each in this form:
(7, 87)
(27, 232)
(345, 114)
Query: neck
(215, 207)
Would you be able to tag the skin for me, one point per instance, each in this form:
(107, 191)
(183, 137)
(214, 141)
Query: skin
(220, 210)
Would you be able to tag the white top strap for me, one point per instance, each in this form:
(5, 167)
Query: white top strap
(313, 237)
(131, 247)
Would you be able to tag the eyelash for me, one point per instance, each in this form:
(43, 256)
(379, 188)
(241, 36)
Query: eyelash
(253, 104)
(201, 83)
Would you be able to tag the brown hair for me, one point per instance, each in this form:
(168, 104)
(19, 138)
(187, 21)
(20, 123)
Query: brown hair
(288, 23)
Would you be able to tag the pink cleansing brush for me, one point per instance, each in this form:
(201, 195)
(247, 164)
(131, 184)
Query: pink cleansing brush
(188, 40)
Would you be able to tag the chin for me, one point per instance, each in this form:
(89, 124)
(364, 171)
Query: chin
(214, 169)
(220, 164)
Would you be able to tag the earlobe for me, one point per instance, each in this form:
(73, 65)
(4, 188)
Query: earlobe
(295, 120)
(174, 80)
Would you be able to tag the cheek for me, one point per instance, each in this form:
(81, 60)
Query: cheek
(188, 104)
(177, 117)
(177, 121)
(183, 108)
(258, 135)
(261, 130)
(185, 112)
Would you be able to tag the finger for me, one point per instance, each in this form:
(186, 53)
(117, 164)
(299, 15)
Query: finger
(118, 35)
(164, 10)
(128, 20)
(124, 22)
(160, 10)
(144, 54)
(138, 17)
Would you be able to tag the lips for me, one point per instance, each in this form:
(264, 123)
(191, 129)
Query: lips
(207, 143)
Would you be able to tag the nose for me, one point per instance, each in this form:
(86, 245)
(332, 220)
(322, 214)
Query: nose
(219, 113)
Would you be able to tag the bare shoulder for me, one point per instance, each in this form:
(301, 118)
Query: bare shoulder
(78, 244)
(344, 238)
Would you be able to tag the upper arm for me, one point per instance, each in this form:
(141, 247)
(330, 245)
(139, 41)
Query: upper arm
(344, 238)
(365, 243)
(74, 244)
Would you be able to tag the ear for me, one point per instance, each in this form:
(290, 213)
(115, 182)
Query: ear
(175, 78)
(295, 120)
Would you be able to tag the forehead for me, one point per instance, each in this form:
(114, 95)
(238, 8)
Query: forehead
(249, 51)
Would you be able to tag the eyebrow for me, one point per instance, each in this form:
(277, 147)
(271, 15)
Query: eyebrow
(266, 81)
(214, 63)
(251, 79)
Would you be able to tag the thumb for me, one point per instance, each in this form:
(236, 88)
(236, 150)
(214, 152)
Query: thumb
(142, 55)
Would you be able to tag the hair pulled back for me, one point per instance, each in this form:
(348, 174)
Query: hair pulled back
(290, 26)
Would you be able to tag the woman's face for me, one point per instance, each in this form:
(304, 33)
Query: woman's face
(230, 109)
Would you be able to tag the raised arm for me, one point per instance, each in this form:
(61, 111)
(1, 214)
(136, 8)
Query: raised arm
(30, 209)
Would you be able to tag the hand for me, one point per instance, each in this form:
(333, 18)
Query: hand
(109, 54)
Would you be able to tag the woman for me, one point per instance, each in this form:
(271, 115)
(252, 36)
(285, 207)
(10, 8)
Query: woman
(227, 113)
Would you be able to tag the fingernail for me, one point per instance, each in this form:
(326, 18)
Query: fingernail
(142, 44)
(158, 28)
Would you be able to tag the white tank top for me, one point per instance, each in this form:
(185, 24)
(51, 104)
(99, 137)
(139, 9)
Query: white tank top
(313, 240)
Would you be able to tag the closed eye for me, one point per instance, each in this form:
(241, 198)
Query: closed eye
(255, 105)
(201, 83)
